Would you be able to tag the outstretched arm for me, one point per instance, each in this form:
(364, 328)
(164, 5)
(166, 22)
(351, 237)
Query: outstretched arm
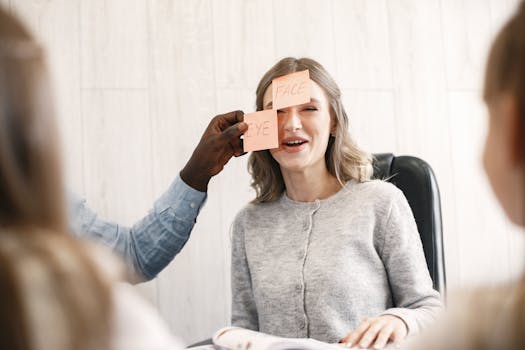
(152, 243)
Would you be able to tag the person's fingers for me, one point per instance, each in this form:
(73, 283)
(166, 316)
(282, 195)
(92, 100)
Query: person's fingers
(239, 116)
(371, 334)
(240, 150)
(224, 159)
(221, 159)
(235, 131)
(354, 336)
(230, 118)
(383, 337)
(232, 136)
(235, 140)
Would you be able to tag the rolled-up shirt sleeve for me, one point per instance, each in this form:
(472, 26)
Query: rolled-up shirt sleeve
(152, 242)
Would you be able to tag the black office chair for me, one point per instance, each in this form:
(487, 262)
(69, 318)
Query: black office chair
(416, 179)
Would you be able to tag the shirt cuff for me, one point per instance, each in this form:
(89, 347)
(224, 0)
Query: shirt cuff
(406, 316)
(181, 200)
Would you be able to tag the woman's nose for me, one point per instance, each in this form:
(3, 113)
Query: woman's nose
(291, 120)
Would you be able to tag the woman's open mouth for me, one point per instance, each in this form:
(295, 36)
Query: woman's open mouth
(293, 145)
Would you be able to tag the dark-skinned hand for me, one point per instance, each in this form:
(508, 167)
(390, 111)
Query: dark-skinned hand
(219, 142)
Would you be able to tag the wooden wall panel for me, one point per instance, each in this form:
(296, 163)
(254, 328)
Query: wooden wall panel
(182, 82)
(362, 45)
(500, 10)
(420, 94)
(243, 41)
(372, 120)
(305, 28)
(481, 249)
(466, 39)
(183, 95)
(114, 44)
(117, 146)
(56, 25)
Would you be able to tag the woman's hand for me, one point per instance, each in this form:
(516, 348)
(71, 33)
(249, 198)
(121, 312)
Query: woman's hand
(376, 332)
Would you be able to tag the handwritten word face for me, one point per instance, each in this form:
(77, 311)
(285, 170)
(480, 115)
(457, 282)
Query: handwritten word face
(291, 89)
(303, 132)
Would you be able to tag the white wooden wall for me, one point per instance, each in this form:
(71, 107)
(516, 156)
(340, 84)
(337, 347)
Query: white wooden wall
(138, 80)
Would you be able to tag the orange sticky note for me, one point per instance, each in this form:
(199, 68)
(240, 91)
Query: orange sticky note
(262, 131)
(291, 89)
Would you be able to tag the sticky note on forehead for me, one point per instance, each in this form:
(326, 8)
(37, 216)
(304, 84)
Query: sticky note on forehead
(262, 131)
(291, 89)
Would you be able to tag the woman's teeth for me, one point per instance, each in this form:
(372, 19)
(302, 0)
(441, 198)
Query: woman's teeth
(294, 143)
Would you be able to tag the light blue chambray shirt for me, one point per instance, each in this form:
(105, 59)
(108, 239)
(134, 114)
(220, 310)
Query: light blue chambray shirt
(152, 242)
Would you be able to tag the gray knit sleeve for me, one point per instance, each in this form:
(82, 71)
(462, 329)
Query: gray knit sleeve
(244, 310)
(417, 303)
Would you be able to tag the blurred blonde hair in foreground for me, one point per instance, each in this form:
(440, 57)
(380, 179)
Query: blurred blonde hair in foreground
(56, 292)
(51, 293)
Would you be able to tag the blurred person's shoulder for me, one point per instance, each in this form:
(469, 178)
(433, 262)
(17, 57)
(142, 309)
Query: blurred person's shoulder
(481, 318)
(111, 266)
(136, 323)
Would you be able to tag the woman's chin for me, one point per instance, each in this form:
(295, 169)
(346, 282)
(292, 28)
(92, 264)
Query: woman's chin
(290, 165)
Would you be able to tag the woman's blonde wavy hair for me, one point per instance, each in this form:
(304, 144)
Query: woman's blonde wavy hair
(344, 159)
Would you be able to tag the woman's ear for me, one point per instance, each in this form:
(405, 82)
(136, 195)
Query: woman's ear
(333, 125)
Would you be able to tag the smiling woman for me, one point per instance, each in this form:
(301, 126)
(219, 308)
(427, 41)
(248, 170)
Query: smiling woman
(344, 159)
(323, 251)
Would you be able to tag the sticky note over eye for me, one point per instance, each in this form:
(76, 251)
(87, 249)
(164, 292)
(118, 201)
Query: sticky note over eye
(262, 131)
(291, 89)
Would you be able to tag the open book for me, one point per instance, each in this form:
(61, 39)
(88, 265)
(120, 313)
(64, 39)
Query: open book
(235, 338)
